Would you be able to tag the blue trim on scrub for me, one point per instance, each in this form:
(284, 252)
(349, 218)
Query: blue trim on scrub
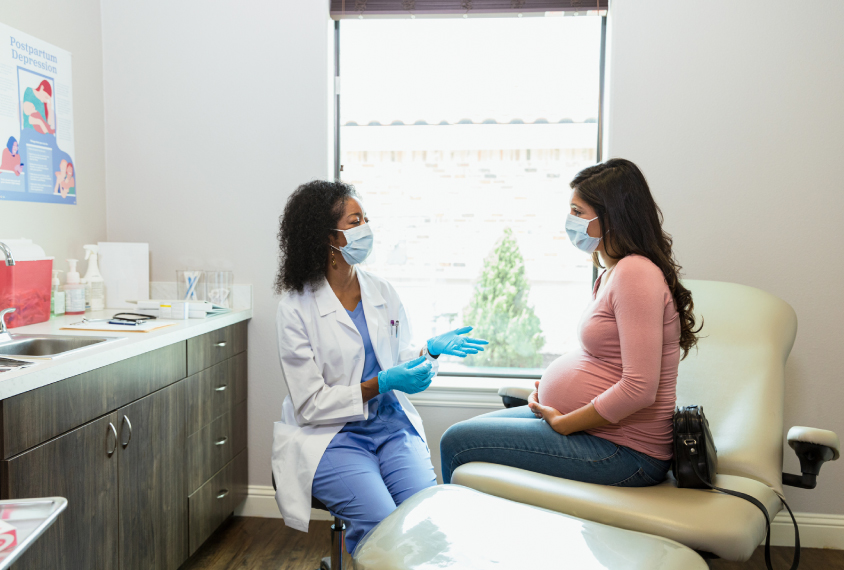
(370, 365)
(372, 466)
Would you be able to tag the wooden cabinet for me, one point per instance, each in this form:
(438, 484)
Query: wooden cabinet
(216, 499)
(124, 479)
(81, 466)
(153, 512)
(151, 462)
(33, 417)
(210, 348)
(214, 391)
(216, 443)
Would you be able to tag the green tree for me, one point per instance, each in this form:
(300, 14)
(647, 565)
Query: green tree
(500, 313)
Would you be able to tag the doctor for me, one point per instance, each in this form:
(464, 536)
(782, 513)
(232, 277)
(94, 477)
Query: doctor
(348, 435)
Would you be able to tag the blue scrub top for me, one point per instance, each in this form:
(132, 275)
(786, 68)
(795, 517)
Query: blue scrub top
(371, 368)
(370, 364)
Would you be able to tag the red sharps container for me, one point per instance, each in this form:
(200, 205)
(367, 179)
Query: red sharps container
(26, 287)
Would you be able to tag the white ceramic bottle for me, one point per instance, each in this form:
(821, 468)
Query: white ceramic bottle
(93, 281)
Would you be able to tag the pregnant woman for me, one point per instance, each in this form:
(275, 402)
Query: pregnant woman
(602, 414)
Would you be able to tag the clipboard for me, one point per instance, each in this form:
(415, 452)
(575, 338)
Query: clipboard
(149, 326)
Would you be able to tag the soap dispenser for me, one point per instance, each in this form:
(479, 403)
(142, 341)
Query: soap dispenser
(93, 281)
(74, 291)
(56, 295)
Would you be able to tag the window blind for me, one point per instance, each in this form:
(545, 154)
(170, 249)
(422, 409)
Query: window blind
(387, 8)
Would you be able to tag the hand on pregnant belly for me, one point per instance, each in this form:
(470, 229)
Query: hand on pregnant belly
(534, 398)
(547, 413)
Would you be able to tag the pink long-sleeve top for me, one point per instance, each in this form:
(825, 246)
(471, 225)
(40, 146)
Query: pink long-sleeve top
(627, 364)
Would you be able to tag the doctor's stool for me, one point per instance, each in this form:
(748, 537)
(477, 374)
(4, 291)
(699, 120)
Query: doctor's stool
(338, 536)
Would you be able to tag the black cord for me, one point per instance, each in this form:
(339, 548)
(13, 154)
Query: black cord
(796, 560)
(141, 318)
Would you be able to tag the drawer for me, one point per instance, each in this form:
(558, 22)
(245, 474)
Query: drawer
(213, 446)
(33, 417)
(215, 391)
(208, 349)
(209, 505)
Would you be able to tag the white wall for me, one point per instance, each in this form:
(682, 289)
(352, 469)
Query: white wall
(733, 110)
(60, 229)
(215, 112)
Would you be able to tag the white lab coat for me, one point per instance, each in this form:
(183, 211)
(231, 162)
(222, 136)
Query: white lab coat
(322, 359)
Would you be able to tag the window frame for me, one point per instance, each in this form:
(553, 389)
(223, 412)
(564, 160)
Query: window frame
(338, 167)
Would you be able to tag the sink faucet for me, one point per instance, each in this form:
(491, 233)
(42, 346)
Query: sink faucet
(9, 259)
(4, 334)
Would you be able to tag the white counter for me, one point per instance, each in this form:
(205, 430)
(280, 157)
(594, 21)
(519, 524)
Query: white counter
(131, 344)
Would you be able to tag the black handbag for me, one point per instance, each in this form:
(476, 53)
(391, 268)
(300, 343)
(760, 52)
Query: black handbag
(695, 465)
(695, 456)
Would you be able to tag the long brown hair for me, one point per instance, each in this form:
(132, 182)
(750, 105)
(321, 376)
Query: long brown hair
(631, 223)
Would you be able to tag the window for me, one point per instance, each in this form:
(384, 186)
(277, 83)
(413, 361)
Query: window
(462, 136)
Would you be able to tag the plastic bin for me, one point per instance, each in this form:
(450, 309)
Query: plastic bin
(26, 287)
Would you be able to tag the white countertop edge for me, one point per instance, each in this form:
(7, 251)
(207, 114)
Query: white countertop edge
(47, 372)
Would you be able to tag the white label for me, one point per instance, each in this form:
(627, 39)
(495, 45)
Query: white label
(75, 302)
(58, 303)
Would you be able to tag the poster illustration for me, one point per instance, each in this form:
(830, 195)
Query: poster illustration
(36, 121)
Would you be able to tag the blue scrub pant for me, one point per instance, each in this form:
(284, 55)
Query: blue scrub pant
(370, 467)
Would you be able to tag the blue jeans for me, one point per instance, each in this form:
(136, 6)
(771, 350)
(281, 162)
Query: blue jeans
(371, 467)
(515, 437)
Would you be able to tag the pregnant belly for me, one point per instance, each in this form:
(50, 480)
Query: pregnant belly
(574, 379)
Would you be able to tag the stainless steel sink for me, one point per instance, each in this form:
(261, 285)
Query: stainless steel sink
(48, 345)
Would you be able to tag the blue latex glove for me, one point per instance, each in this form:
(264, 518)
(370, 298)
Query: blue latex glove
(411, 377)
(454, 344)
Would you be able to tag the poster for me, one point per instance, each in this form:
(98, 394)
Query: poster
(36, 121)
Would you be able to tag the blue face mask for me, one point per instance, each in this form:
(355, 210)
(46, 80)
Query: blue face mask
(359, 244)
(576, 229)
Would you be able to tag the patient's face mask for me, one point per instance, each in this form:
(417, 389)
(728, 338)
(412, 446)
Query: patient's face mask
(359, 244)
(576, 229)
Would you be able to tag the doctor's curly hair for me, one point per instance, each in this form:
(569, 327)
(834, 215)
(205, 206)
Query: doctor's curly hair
(313, 210)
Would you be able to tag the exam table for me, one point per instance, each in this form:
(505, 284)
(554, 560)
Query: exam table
(738, 375)
(452, 527)
(494, 516)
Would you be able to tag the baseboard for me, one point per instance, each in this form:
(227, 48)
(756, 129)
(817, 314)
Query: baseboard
(260, 502)
(816, 530)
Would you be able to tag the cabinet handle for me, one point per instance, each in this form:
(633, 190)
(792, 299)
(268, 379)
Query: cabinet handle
(113, 431)
(221, 388)
(221, 441)
(222, 493)
(128, 423)
(220, 344)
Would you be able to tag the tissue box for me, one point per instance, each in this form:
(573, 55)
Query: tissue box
(8, 536)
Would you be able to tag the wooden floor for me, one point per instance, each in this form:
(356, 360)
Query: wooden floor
(266, 544)
(251, 543)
